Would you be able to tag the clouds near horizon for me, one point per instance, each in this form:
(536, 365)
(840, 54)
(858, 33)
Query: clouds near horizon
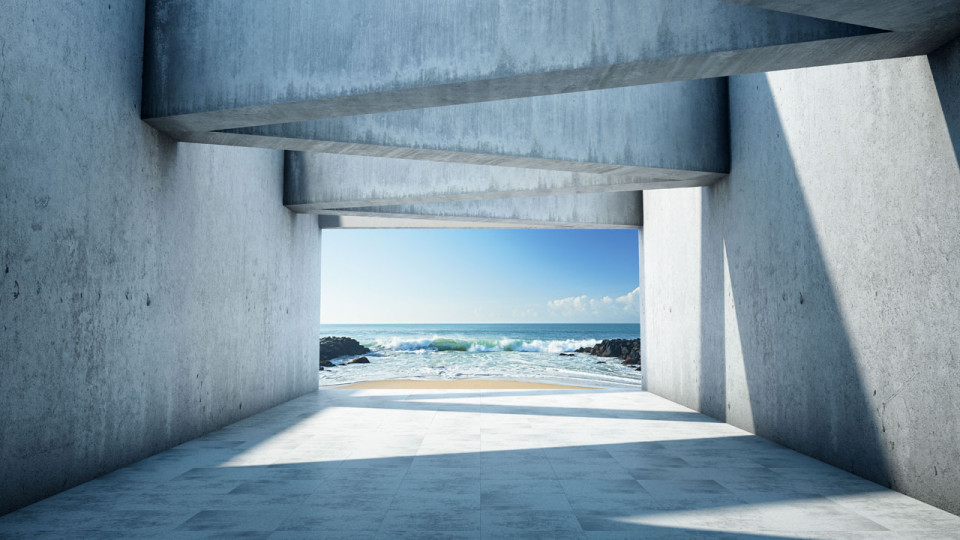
(625, 308)
(392, 276)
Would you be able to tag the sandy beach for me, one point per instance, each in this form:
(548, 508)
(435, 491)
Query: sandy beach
(468, 384)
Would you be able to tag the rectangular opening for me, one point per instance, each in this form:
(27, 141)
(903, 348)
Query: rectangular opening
(459, 304)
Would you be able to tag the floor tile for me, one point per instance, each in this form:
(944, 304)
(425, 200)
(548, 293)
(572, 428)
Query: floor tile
(596, 464)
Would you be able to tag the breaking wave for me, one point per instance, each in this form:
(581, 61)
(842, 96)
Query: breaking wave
(442, 344)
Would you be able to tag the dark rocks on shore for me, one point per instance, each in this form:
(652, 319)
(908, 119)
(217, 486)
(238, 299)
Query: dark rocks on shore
(361, 360)
(335, 347)
(627, 350)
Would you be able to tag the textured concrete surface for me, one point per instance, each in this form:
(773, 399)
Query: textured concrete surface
(151, 291)
(223, 64)
(379, 221)
(422, 463)
(587, 210)
(812, 296)
(945, 65)
(154, 291)
(315, 181)
(916, 15)
(681, 126)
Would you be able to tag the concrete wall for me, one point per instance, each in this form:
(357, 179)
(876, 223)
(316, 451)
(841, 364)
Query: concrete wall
(149, 291)
(813, 296)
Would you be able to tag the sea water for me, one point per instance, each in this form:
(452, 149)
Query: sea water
(496, 351)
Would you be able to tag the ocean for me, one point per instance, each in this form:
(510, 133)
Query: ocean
(497, 351)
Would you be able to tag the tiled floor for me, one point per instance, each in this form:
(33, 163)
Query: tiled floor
(465, 464)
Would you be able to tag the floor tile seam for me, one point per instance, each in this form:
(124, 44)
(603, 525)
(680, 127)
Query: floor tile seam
(913, 505)
(406, 471)
(423, 436)
(761, 508)
(831, 496)
(566, 496)
(483, 416)
(173, 528)
(853, 510)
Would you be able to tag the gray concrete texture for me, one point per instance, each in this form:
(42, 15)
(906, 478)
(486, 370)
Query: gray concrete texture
(315, 181)
(224, 64)
(812, 297)
(151, 291)
(583, 211)
(481, 464)
(681, 126)
(913, 16)
(402, 221)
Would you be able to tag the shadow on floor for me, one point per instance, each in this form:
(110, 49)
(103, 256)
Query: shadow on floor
(340, 463)
(424, 403)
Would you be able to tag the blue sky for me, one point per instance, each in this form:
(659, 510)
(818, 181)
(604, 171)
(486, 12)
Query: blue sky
(479, 276)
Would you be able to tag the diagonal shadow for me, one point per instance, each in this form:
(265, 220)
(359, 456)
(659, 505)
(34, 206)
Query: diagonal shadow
(805, 390)
(945, 66)
(659, 488)
(402, 403)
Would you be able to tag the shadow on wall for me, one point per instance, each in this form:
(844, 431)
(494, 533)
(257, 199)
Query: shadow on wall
(713, 375)
(945, 66)
(800, 384)
(712, 383)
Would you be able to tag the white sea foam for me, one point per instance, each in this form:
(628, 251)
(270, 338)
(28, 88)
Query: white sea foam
(519, 352)
(441, 344)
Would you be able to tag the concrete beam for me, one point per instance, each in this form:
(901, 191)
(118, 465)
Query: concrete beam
(315, 181)
(672, 131)
(214, 65)
(896, 15)
(584, 211)
(418, 222)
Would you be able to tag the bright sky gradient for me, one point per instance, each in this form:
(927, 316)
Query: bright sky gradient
(479, 276)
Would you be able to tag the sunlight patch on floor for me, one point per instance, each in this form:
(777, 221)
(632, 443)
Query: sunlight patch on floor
(477, 464)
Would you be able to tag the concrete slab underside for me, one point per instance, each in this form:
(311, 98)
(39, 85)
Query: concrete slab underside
(480, 463)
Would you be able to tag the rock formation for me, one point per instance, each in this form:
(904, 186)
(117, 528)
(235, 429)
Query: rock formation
(335, 347)
(627, 350)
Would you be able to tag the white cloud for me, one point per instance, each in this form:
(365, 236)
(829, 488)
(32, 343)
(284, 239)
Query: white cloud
(572, 304)
(626, 307)
(630, 301)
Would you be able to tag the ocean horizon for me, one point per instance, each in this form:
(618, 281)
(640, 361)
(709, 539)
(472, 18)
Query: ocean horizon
(522, 351)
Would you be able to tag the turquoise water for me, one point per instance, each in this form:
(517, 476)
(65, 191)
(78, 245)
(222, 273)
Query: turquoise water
(461, 351)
